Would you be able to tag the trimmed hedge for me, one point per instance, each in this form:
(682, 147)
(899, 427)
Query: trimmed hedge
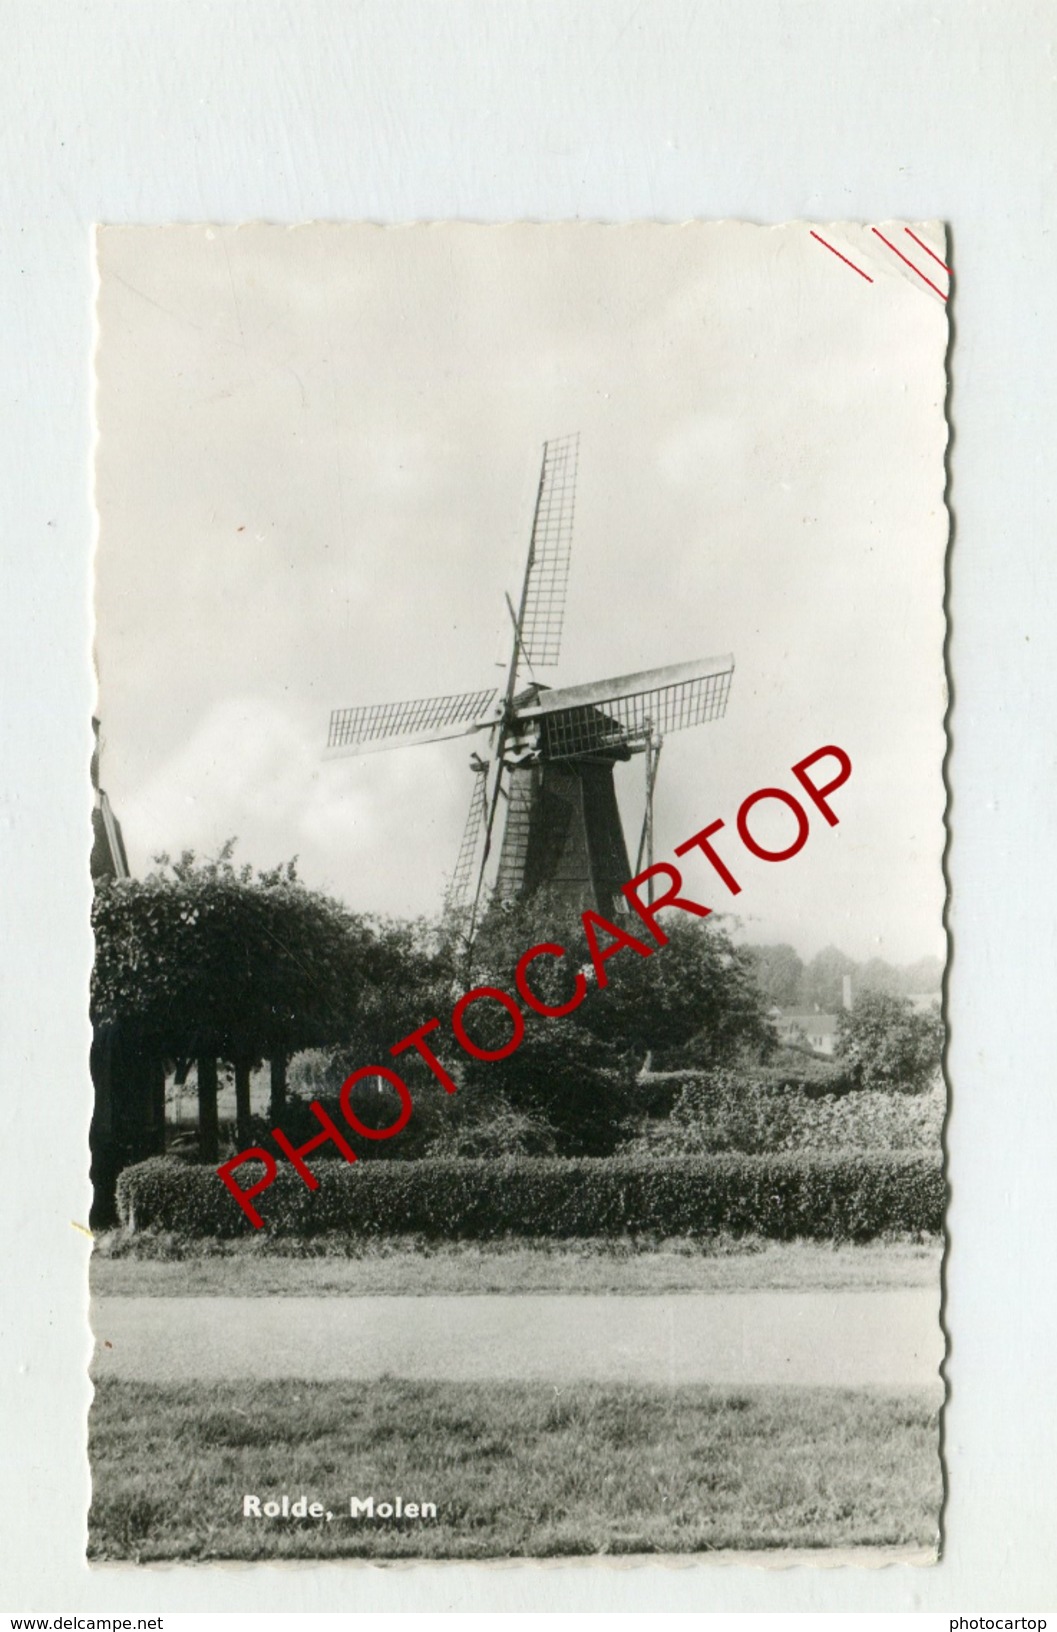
(832, 1197)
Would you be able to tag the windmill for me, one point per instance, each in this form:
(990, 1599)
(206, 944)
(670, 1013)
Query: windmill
(543, 812)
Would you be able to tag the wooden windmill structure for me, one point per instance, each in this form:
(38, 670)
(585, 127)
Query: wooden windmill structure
(543, 813)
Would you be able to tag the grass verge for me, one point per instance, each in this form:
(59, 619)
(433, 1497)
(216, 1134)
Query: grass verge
(145, 1265)
(515, 1470)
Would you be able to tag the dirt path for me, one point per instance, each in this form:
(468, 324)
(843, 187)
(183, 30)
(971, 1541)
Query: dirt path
(854, 1339)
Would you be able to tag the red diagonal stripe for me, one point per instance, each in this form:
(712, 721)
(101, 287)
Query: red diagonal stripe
(841, 257)
(928, 251)
(911, 265)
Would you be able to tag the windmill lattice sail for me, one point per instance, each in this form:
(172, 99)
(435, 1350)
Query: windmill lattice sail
(466, 865)
(550, 552)
(609, 714)
(521, 794)
(376, 723)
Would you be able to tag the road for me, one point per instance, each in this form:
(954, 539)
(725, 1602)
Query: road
(850, 1339)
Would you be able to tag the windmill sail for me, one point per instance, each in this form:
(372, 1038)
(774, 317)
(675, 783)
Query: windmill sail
(550, 551)
(425, 719)
(609, 714)
(517, 828)
(466, 865)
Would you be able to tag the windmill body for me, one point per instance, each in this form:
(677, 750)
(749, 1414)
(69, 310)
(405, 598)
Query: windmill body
(562, 830)
(543, 813)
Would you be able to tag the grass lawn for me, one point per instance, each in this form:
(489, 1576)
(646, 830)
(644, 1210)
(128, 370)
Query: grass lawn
(515, 1470)
(145, 1265)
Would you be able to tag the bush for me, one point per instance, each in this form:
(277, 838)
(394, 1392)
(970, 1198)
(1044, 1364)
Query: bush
(788, 1068)
(565, 1082)
(795, 1068)
(829, 1197)
(725, 1111)
(502, 1131)
(376, 1104)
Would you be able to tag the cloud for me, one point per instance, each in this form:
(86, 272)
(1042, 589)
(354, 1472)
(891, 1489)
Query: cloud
(249, 770)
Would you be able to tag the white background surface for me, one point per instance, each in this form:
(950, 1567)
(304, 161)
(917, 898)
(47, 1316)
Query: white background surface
(395, 111)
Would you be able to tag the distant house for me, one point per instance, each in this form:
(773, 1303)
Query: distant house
(818, 1032)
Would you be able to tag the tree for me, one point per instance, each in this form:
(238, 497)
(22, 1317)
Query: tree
(210, 960)
(878, 976)
(697, 988)
(204, 961)
(823, 982)
(888, 1044)
(577, 1073)
(696, 995)
(572, 1086)
(922, 977)
(779, 973)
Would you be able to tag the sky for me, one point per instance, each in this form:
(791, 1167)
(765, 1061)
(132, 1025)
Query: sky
(318, 450)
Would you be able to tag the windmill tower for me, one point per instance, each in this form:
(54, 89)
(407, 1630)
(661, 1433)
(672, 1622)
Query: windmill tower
(543, 812)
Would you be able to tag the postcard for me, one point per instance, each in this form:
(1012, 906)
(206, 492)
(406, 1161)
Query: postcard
(519, 902)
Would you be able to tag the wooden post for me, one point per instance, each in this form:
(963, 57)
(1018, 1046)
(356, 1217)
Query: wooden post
(277, 1103)
(242, 1101)
(103, 1136)
(156, 1068)
(208, 1125)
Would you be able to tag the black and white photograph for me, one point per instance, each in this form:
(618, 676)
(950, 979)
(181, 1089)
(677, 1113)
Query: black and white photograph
(517, 1015)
